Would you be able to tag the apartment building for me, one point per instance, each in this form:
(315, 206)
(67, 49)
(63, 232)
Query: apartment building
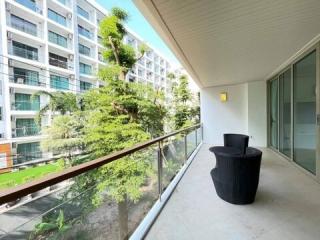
(53, 45)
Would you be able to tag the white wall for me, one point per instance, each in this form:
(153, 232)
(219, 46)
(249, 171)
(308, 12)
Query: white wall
(244, 112)
(257, 113)
(223, 117)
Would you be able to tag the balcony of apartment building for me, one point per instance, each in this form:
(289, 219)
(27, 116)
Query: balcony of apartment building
(25, 127)
(85, 15)
(26, 76)
(257, 66)
(60, 61)
(25, 50)
(65, 4)
(87, 70)
(32, 27)
(34, 8)
(86, 34)
(23, 103)
(59, 18)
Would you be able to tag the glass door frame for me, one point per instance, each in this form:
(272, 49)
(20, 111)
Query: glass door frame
(290, 65)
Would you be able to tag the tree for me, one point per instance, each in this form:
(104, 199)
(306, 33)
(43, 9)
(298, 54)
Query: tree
(64, 135)
(117, 116)
(121, 114)
(59, 102)
(185, 106)
(112, 31)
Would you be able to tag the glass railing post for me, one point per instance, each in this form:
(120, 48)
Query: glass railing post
(160, 163)
(196, 133)
(185, 148)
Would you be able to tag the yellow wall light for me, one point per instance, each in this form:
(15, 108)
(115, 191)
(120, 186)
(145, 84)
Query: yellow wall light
(223, 97)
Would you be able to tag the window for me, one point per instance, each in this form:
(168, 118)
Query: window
(57, 17)
(31, 4)
(62, 1)
(85, 69)
(85, 86)
(83, 12)
(24, 76)
(25, 102)
(84, 32)
(84, 50)
(26, 127)
(58, 61)
(27, 152)
(57, 39)
(23, 25)
(25, 51)
(59, 82)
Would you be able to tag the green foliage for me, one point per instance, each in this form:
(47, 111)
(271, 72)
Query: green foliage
(186, 107)
(64, 134)
(112, 32)
(52, 230)
(60, 102)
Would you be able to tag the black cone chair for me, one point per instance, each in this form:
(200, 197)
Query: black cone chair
(236, 178)
(238, 141)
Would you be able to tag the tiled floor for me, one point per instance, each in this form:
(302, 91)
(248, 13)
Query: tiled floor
(287, 205)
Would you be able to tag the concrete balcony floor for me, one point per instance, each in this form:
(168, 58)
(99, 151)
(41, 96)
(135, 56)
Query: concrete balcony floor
(287, 205)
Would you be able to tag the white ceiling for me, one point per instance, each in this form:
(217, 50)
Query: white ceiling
(232, 41)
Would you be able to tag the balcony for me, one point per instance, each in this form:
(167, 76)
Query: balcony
(168, 163)
(24, 51)
(281, 210)
(25, 106)
(30, 5)
(26, 131)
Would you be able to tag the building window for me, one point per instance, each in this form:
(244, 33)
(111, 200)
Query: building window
(58, 61)
(57, 17)
(24, 76)
(85, 69)
(31, 4)
(85, 86)
(27, 152)
(84, 32)
(58, 82)
(24, 102)
(25, 51)
(83, 12)
(26, 127)
(23, 25)
(84, 50)
(57, 39)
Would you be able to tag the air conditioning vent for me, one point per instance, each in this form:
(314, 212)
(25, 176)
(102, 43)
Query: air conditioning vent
(1, 135)
(9, 35)
(20, 80)
(14, 145)
(71, 77)
(69, 16)
(11, 90)
(70, 36)
(70, 57)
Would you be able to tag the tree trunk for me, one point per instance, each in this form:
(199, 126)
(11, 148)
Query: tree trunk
(123, 219)
(122, 75)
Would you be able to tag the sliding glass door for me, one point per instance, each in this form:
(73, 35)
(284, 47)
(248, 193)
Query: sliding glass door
(293, 112)
(273, 116)
(285, 139)
(305, 134)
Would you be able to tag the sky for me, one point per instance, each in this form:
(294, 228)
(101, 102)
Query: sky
(140, 25)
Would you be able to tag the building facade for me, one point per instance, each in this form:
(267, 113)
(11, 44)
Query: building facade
(53, 45)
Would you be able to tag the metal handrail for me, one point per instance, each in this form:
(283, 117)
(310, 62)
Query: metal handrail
(17, 192)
